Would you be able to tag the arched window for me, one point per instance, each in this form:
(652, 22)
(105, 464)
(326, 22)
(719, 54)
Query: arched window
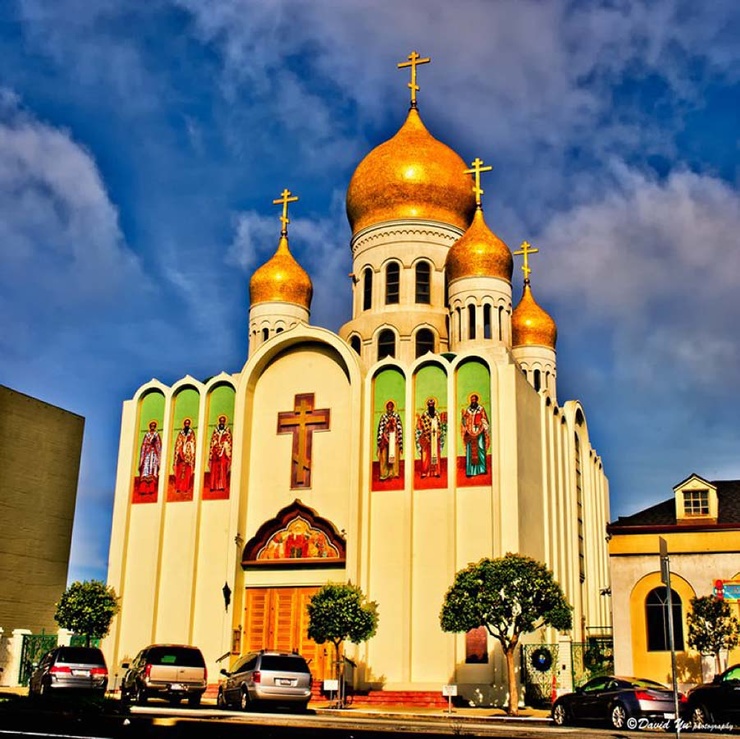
(423, 282)
(356, 344)
(279, 330)
(486, 321)
(386, 344)
(392, 283)
(424, 341)
(656, 618)
(471, 321)
(367, 288)
(265, 334)
(537, 380)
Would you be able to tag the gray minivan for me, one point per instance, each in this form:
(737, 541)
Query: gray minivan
(169, 671)
(274, 678)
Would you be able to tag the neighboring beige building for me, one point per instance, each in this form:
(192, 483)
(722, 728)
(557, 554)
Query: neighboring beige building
(701, 526)
(425, 436)
(40, 447)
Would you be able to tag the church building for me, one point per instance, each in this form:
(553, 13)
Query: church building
(425, 435)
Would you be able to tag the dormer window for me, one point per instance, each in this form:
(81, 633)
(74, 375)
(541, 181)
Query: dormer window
(696, 502)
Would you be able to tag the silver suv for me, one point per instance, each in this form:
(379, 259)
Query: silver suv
(275, 678)
(68, 669)
(169, 671)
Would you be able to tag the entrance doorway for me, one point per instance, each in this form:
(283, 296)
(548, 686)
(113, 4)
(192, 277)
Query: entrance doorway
(276, 618)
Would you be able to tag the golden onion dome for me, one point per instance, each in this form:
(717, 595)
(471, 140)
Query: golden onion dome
(281, 279)
(530, 324)
(479, 253)
(412, 175)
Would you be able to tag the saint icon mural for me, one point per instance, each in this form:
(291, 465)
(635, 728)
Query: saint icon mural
(476, 437)
(184, 461)
(431, 428)
(390, 442)
(219, 458)
(150, 459)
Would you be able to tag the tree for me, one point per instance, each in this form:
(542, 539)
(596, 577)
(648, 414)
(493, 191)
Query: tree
(712, 627)
(87, 608)
(510, 596)
(341, 611)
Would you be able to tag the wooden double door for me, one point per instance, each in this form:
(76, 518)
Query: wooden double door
(277, 618)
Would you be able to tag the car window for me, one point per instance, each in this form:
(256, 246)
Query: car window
(80, 655)
(240, 663)
(175, 656)
(598, 683)
(733, 674)
(283, 663)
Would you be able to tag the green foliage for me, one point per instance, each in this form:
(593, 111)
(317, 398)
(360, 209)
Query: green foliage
(87, 608)
(511, 595)
(338, 612)
(712, 627)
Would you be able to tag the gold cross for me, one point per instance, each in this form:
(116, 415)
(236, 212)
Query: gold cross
(413, 60)
(525, 251)
(285, 198)
(477, 168)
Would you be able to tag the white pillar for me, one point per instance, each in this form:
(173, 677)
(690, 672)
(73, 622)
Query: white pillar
(64, 637)
(12, 673)
(565, 665)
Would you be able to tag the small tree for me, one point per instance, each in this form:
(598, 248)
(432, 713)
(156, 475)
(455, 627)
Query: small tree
(87, 608)
(338, 612)
(712, 627)
(510, 596)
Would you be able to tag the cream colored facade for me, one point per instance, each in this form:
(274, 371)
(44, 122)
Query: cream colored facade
(544, 493)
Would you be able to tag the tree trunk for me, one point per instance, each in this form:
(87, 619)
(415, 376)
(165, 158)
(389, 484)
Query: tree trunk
(511, 672)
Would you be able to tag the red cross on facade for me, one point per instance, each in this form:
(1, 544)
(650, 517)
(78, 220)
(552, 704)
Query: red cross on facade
(302, 421)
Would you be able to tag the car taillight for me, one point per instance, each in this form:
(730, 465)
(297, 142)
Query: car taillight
(99, 671)
(205, 675)
(643, 695)
(59, 670)
(147, 671)
(256, 676)
(682, 698)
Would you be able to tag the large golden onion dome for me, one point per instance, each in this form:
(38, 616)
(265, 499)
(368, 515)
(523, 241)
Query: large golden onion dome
(530, 324)
(479, 253)
(281, 279)
(412, 175)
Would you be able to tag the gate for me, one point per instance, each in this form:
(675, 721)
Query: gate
(34, 647)
(539, 666)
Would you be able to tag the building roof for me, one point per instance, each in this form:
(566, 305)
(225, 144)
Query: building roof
(664, 513)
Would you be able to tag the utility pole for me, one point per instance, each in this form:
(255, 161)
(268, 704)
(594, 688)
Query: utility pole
(665, 577)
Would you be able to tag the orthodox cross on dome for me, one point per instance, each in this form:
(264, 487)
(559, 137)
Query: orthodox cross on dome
(302, 421)
(525, 251)
(284, 199)
(414, 59)
(476, 168)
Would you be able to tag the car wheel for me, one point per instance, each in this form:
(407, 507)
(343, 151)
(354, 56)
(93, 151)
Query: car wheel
(700, 716)
(194, 701)
(244, 703)
(221, 700)
(141, 697)
(618, 716)
(559, 714)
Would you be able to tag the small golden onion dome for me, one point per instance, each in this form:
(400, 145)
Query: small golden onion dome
(479, 253)
(530, 324)
(412, 175)
(281, 279)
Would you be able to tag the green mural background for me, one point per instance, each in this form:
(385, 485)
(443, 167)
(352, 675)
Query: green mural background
(389, 384)
(151, 408)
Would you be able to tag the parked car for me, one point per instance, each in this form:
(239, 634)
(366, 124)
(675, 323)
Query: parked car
(67, 669)
(615, 700)
(717, 702)
(275, 678)
(168, 671)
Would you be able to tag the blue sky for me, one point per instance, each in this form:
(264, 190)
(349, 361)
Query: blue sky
(142, 144)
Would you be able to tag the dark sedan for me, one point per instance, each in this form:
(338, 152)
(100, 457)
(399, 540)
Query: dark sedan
(623, 702)
(718, 701)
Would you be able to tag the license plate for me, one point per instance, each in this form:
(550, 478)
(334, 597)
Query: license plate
(283, 681)
(81, 673)
(177, 686)
(669, 715)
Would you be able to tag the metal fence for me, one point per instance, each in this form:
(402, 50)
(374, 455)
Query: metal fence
(35, 646)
